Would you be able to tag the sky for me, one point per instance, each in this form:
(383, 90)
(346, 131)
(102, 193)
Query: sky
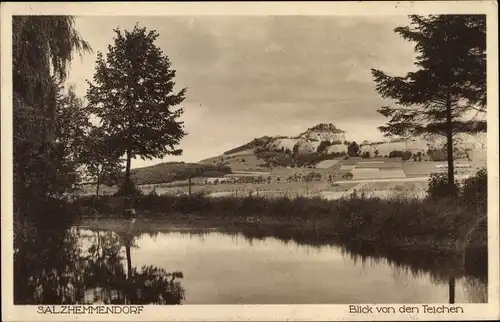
(249, 76)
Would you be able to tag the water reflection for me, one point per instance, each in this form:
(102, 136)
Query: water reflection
(266, 270)
(73, 266)
(238, 265)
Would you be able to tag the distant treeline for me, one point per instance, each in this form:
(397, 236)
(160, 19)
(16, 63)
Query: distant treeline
(176, 171)
(258, 142)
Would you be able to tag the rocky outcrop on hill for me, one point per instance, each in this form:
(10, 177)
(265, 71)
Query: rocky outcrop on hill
(309, 141)
(323, 132)
(465, 145)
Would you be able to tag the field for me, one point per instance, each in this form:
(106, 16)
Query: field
(239, 161)
(377, 177)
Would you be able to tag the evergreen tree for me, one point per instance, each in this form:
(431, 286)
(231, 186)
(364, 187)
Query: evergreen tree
(132, 94)
(450, 81)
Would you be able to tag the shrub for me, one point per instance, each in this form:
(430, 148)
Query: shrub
(474, 191)
(437, 155)
(128, 189)
(406, 155)
(323, 146)
(213, 174)
(153, 193)
(353, 149)
(439, 187)
(395, 154)
(348, 176)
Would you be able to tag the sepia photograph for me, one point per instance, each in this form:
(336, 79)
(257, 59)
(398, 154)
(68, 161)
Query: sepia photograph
(250, 160)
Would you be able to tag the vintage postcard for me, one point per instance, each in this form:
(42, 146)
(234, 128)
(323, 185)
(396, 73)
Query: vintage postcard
(250, 161)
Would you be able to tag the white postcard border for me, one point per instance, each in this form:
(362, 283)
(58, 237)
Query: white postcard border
(251, 312)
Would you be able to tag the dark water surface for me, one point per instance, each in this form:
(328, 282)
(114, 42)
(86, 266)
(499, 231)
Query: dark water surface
(212, 267)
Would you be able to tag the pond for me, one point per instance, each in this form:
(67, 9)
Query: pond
(218, 267)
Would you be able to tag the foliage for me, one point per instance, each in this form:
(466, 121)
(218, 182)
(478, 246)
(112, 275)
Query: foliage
(437, 154)
(404, 155)
(102, 164)
(449, 83)
(397, 222)
(176, 171)
(323, 146)
(274, 158)
(347, 176)
(45, 146)
(132, 94)
(452, 75)
(72, 126)
(474, 191)
(60, 270)
(156, 285)
(439, 186)
(255, 143)
(128, 189)
(353, 149)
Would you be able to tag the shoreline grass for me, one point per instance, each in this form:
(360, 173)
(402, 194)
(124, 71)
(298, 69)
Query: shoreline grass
(401, 223)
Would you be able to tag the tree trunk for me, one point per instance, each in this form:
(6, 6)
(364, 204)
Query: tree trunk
(129, 262)
(127, 185)
(96, 192)
(189, 179)
(97, 185)
(130, 287)
(127, 169)
(451, 290)
(449, 146)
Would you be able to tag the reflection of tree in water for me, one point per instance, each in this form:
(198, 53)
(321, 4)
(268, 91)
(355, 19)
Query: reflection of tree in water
(54, 268)
(46, 270)
(476, 291)
(438, 268)
(416, 263)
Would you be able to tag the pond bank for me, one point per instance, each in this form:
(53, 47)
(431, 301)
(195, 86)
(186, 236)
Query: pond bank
(409, 225)
(440, 255)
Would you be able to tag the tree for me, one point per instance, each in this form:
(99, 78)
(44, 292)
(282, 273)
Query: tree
(72, 127)
(42, 48)
(352, 149)
(450, 81)
(133, 96)
(323, 146)
(102, 164)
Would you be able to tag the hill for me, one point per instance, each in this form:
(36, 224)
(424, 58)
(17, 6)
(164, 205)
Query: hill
(176, 171)
(326, 142)
(309, 149)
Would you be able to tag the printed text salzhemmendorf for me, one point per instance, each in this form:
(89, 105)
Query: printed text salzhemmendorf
(90, 309)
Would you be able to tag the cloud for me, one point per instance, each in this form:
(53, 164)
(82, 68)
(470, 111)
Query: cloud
(265, 75)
